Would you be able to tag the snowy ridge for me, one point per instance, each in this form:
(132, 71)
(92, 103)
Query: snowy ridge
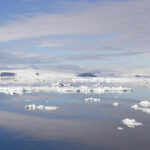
(81, 89)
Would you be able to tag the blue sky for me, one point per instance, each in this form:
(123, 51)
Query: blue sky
(88, 35)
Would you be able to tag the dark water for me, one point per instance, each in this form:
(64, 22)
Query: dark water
(78, 125)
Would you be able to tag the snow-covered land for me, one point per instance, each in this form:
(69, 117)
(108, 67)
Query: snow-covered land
(111, 80)
(32, 81)
(33, 76)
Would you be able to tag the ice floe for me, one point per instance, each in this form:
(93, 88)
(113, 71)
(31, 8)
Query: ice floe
(82, 89)
(120, 128)
(41, 107)
(143, 109)
(91, 99)
(115, 104)
(145, 103)
(131, 123)
(143, 106)
(30, 107)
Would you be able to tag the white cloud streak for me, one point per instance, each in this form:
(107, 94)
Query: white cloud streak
(128, 20)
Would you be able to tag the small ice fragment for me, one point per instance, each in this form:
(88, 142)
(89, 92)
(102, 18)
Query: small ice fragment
(40, 107)
(115, 104)
(120, 128)
(51, 108)
(30, 107)
(143, 109)
(134, 106)
(91, 99)
(131, 123)
(145, 103)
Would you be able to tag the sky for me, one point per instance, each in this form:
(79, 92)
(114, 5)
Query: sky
(76, 35)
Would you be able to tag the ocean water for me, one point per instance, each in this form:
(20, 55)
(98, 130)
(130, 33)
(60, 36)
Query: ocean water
(78, 125)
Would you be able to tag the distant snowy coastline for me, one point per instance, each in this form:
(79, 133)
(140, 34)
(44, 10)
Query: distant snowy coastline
(33, 77)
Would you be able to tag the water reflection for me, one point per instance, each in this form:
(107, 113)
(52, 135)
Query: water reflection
(77, 125)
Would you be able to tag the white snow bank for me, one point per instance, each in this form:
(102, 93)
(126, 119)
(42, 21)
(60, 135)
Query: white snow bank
(131, 123)
(41, 107)
(91, 99)
(115, 104)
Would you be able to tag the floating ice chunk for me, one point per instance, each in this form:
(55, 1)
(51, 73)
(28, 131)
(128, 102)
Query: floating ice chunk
(91, 99)
(41, 107)
(120, 128)
(143, 109)
(30, 107)
(51, 108)
(115, 104)
(146, 110)
(82, 89)
(145, 103)
(111, 89)
(134, 106)
(131, 123)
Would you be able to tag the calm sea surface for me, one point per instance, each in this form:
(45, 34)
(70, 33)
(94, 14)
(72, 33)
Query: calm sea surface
(78, 125)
